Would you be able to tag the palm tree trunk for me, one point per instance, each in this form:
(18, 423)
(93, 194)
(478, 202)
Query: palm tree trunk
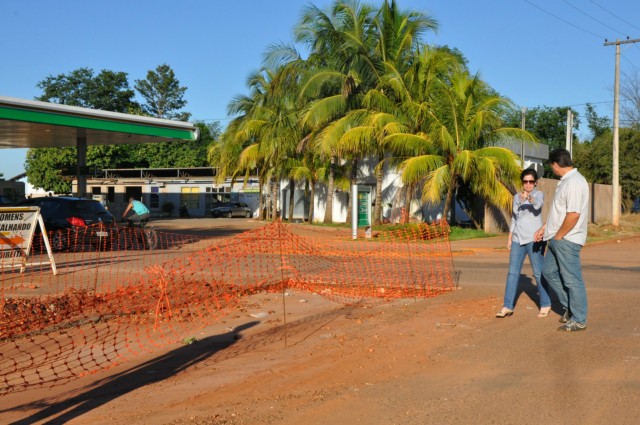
(377, 209)
(260, 198)
(292, 189)
(447, 201)
(274, 199)
(312, 195)
(406, 209)
(328, 213)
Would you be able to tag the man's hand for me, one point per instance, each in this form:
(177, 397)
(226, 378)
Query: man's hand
(570, 221)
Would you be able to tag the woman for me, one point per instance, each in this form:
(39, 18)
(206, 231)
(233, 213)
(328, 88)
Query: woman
(526, 219)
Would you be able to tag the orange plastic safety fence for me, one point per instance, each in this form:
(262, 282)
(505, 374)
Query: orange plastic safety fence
(121, 292)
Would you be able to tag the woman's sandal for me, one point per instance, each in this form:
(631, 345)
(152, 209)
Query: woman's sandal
(544, 311)
(505, 312)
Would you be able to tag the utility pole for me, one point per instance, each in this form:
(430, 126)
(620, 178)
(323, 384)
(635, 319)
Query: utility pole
(524, 111)
(569, 140)
(615, 178)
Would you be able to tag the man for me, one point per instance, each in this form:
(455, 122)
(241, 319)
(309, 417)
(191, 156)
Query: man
(141, 212)
(566, 233)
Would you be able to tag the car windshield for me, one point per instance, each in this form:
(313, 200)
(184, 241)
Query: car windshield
(88, 207)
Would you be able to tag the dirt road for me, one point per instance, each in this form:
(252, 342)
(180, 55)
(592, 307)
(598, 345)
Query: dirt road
(445, 360)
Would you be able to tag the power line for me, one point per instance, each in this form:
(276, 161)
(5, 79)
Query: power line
(615, 16)
(564, 20)
(595, 19)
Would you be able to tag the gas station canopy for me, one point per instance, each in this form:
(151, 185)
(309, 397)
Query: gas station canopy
(34, 124)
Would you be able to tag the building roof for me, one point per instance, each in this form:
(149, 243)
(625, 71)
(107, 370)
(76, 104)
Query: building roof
(34, 124)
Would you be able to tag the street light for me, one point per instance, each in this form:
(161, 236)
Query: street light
(524, 111)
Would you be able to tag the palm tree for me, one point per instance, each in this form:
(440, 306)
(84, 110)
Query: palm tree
(352, 45)
(399, 109)
(465, 119)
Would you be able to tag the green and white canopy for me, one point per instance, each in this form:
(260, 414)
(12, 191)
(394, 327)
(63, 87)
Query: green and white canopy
(34, 124)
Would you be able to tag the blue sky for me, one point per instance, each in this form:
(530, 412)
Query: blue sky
(535, 52)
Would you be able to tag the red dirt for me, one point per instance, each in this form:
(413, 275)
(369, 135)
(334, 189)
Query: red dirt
(444, 360)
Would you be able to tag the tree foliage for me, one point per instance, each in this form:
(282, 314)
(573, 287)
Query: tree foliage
(163, 95)
(179, 154)
(44, 166)
(630, 96)
(595, 158)
(110, 91)
(547, 124)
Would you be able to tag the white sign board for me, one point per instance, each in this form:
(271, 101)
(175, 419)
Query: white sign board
(16, 231)
(17, 227)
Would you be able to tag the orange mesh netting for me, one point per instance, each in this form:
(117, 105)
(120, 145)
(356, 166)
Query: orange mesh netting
(128, 293)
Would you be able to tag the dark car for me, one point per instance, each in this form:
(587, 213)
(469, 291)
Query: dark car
(5, 201)
(72, 223)
(231, 209)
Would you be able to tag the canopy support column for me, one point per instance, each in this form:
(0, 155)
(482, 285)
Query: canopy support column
(81, 144)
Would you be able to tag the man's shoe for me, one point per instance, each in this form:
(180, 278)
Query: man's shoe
(572, 326)
(565, 317)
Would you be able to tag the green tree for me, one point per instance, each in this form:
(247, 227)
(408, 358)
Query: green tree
(399, 111)
(266, 132)
(465, 117)
(107, 91)
(179, 154)
(594, 159)
(353, 45)
(44, 165)
(548, 124)
(163, 95)
(110, 91)
(598, 125)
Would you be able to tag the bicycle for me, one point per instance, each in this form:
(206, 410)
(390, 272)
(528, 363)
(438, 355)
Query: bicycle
(137, 235)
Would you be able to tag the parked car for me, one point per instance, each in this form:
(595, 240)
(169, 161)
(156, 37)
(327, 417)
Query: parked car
(5, 201)
(74, 222)
(231, 209)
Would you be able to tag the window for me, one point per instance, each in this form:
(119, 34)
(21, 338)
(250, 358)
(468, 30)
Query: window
(190, 196)
(154, 197)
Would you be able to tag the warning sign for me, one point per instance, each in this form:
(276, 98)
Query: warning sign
(17, 225)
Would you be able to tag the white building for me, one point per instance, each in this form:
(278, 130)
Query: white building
(165, 190)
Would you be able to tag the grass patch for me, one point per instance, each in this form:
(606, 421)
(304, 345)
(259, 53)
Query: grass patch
(462, 233)
(629, 226)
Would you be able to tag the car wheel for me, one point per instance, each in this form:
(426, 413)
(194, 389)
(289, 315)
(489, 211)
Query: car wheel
(59, 241)
(248, 214)
(229, 214)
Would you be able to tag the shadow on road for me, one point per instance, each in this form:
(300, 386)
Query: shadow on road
(115, 386)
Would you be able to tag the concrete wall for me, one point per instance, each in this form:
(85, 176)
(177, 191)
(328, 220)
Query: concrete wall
(600, 211)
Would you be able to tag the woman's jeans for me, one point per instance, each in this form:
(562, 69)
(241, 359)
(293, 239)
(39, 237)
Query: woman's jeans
(563, 272)
(535, 251)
